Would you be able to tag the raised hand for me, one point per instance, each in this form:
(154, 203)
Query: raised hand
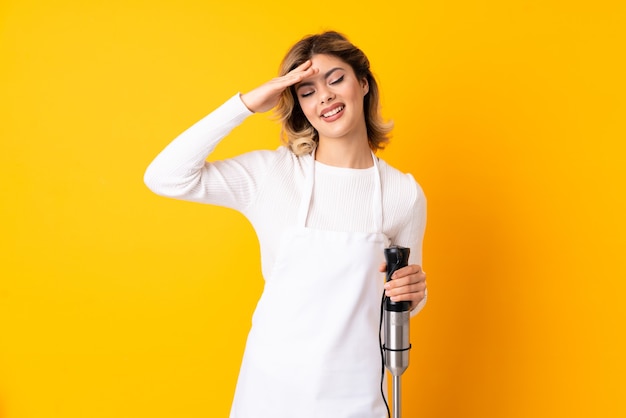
(266, 96)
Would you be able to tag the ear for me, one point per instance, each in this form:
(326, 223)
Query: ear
(365, 86)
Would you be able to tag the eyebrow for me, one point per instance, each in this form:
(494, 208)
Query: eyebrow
(328, 74)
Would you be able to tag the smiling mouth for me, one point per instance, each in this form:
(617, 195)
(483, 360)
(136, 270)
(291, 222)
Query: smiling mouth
(333, 112)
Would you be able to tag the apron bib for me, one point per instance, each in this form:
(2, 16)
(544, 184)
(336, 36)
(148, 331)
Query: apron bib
(313, 349)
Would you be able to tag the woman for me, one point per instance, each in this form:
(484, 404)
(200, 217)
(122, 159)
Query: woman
(324, 208)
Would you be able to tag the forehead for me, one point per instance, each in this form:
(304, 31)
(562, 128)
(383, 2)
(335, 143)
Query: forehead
(325, 61)
(326, 66)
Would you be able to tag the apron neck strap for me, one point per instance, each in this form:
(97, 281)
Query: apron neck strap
(309, 180)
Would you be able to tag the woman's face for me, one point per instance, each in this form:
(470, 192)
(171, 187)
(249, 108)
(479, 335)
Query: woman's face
(332, 98)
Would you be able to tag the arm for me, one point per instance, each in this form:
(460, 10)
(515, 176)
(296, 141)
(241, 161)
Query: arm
(181, 170)
(409, 283)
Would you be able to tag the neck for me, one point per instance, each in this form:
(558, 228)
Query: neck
(338, 154)
(353, 152)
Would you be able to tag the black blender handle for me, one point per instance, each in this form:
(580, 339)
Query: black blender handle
(396, 257)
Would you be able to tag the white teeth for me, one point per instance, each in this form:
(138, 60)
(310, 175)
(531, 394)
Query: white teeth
(333, 112)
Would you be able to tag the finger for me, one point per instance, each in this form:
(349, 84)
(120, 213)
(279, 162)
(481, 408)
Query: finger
(306, 64)
(405, 289)
(302, 71)
(414, 275)
(405, 281)
(407, 271)
(298, 76)
(401, 284)
(383, 267)
(414, 298)
(281, 83)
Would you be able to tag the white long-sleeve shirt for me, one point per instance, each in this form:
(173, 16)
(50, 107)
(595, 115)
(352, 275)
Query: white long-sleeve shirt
(266, 186)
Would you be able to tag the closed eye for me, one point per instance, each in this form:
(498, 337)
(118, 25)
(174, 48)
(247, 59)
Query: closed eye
(337, 81)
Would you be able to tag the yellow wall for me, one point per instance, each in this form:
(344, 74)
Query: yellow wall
(117, 303)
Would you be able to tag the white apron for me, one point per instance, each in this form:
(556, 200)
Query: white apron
(313, 349)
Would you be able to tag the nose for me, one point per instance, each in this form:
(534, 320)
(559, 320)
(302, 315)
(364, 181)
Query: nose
(326, 96)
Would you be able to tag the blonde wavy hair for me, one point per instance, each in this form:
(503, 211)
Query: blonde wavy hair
(296, 131)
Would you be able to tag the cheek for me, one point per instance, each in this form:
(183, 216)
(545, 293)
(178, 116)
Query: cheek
(307, 109)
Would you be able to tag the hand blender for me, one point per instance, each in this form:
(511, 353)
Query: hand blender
(396, 327)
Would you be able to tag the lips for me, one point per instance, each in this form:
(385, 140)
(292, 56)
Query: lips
(332, 111)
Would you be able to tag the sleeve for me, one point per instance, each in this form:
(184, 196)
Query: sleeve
(413, 235)
(181, 171)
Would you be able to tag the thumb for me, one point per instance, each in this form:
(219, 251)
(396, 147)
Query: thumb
(383, 267)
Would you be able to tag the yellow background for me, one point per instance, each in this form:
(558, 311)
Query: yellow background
(117, 303)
